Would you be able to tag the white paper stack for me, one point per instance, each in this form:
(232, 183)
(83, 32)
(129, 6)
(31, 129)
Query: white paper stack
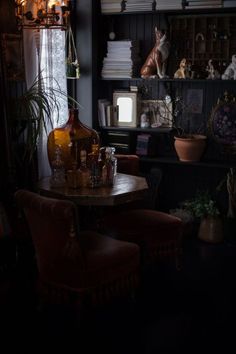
(201, 4)
(122, 59)
(229, 3)
(110, 6)
(139, 5)
(169, 5)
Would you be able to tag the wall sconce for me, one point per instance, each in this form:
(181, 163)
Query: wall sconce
(40, 14)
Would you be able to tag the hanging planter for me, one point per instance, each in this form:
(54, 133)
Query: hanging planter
(72, 63)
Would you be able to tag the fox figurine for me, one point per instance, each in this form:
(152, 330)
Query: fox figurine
(156, 62)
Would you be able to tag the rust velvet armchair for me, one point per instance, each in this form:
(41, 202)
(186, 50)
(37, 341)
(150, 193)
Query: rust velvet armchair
(76, 266)
(158, 234)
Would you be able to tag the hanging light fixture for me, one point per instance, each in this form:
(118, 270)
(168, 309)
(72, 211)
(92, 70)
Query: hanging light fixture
(39, 14)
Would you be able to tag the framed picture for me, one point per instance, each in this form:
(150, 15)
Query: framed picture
(222, 124)
(160, 113)
(128, 108)
(13, 56)
(194, 101)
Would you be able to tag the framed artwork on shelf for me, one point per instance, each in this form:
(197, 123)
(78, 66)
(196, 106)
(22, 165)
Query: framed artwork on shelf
(222, 123)
(194, 101)
(158, 112)
(128, 108)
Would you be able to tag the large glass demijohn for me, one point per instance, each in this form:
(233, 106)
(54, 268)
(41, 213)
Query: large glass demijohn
(72, 137)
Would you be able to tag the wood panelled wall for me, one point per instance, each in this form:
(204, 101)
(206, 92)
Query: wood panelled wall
(179, 181)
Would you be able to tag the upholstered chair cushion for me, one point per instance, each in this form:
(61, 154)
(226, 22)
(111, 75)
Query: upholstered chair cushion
(83, 262)
(159, 234)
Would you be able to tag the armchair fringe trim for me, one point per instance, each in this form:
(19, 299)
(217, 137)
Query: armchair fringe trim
(51, 293)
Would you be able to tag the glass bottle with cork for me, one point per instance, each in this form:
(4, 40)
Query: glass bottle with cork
(58, 169)
(83, 173)
(108, 165)
(95, 177)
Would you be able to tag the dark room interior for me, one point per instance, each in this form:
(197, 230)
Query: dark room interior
(118, 176)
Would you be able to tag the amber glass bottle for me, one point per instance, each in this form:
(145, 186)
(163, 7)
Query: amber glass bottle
(72, 137)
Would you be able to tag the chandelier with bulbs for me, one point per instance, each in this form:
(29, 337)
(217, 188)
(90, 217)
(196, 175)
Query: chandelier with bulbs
(40, 14)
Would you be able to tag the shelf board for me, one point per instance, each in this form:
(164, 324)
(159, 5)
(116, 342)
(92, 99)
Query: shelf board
(141, 130)
(165, 80)
(184, 11)
(175, 161)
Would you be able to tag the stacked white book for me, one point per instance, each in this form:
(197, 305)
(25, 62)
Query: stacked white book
(169, 5)
(110, 6)
(139, 5)
(122, 59)
(201, 4)
(229, 3)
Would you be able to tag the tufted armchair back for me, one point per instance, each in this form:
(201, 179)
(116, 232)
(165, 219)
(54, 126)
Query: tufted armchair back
(81, 264)
(128, 164)
(52, 223)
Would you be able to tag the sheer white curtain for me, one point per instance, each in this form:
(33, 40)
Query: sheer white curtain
(45, 54)
(52, 65)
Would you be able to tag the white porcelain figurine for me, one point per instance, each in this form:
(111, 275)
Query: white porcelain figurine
(230, 72)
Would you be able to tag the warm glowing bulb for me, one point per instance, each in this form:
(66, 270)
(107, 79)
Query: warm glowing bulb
(20, 2)
(53, 2)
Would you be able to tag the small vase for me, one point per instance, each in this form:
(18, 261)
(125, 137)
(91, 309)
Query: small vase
(72, 137)
(211, 229)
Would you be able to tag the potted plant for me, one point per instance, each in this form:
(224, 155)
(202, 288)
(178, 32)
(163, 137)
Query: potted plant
(190, 147)
(189, 143)
(204, 208)
(29, 114)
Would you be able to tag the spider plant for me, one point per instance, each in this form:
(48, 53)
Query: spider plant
(32, 112)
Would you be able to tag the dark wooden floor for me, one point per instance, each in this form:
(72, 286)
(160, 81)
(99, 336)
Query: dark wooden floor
(188, 311)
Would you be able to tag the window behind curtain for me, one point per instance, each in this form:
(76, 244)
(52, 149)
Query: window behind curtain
(52, 66)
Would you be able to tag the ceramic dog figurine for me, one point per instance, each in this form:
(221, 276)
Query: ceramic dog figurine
(156, 62)
(212, 72)
(230, 71)
(181, 73)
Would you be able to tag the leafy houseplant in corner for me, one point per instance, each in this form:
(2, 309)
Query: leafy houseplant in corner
(32, 111)
(203, 207)
(29, 114)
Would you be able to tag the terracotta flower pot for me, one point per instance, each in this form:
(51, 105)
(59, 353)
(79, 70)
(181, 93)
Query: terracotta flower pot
(190, 148)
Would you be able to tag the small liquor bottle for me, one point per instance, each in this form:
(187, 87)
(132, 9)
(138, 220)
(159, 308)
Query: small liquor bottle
(94, 168)
(72, 177)
(102, 165)
(108, 165)
(111, 163)
(58, 169)
(83, 173)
